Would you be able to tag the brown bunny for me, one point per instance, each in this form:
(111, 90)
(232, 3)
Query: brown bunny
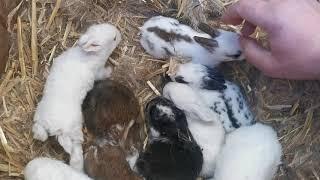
(108, 162)
(110, 111)
(107, 104)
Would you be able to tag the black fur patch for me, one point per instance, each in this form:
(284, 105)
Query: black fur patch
(174, 155)
(167, 160)
(169, 36)
(180, 79)
(209, 30)
(208, 44)
(175, 127)
(167, 51)
(233, 120)
(241, 105)
(174, 24)
(215, 107)
(214, 80)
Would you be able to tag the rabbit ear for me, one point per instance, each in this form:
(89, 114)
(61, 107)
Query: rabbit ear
(207, 43)
(207, 29)
(88, 44)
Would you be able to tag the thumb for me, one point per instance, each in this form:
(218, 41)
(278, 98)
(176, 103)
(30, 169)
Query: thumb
(259, 56)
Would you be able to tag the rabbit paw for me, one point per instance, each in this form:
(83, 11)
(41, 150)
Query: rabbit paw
(76, 157)
(39, 132)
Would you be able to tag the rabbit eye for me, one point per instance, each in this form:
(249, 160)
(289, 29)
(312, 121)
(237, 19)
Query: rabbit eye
(115, 38)
(235, 56)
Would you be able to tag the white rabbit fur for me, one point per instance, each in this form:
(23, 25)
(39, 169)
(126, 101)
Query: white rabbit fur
(43, 168)
(222, 96)
(250, 153)
(71, 76)
(208, 133)
(181, 42)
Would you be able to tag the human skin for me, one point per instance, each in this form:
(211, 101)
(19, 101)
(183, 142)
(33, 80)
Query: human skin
(293, 28)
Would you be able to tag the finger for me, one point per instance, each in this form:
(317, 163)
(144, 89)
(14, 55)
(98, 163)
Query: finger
(248, 28)
(259, 56)
(231, 15)
(253, 11)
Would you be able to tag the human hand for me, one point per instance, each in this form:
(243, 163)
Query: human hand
(293, 28)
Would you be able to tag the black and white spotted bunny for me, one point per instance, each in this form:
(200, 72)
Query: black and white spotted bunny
(223, 97)
(163, 37)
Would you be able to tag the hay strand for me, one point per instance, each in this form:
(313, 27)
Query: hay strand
(153, 88)
(34, 39)
(20, 49)
(11, 14)
(6, 79)
(66, 33)
(53, 14)
(4, 143)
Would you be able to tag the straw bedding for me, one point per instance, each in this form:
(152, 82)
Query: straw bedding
(41, 29)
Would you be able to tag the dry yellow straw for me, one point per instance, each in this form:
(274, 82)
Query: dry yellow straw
(153, 88)
(181, 7)
(66, 33)
(6, 79)
(4, 143)
(20, 49)
(54, 13)
(34, 39)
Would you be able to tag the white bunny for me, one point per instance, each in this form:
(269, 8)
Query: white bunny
(224, 97)
(162, 37)
(250, 153)
(71, 76)
(51, 169)
(203, 123)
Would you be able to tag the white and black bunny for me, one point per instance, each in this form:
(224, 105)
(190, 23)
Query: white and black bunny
(224, 97)
(166, 120)
(171, 154)
(162, 37)
(203, 122)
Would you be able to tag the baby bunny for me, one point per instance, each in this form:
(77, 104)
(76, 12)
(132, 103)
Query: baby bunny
(50, 169)
(170, 160)
(171, 154)
(71, 76)
(166, 120)
(162, 37)
(211, 85)
(109, 103)
(108, 162)
(203, 122)
(250, 153)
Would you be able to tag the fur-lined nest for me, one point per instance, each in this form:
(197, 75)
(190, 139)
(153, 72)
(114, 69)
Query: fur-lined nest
(41, 29)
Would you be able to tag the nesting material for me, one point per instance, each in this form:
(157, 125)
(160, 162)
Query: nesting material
(21, 85)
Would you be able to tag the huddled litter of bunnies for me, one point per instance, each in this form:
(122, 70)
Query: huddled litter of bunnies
(201, 125)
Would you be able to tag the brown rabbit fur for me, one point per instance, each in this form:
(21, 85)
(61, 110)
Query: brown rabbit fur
(110, 111)
(108, 104)
(108, 162)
